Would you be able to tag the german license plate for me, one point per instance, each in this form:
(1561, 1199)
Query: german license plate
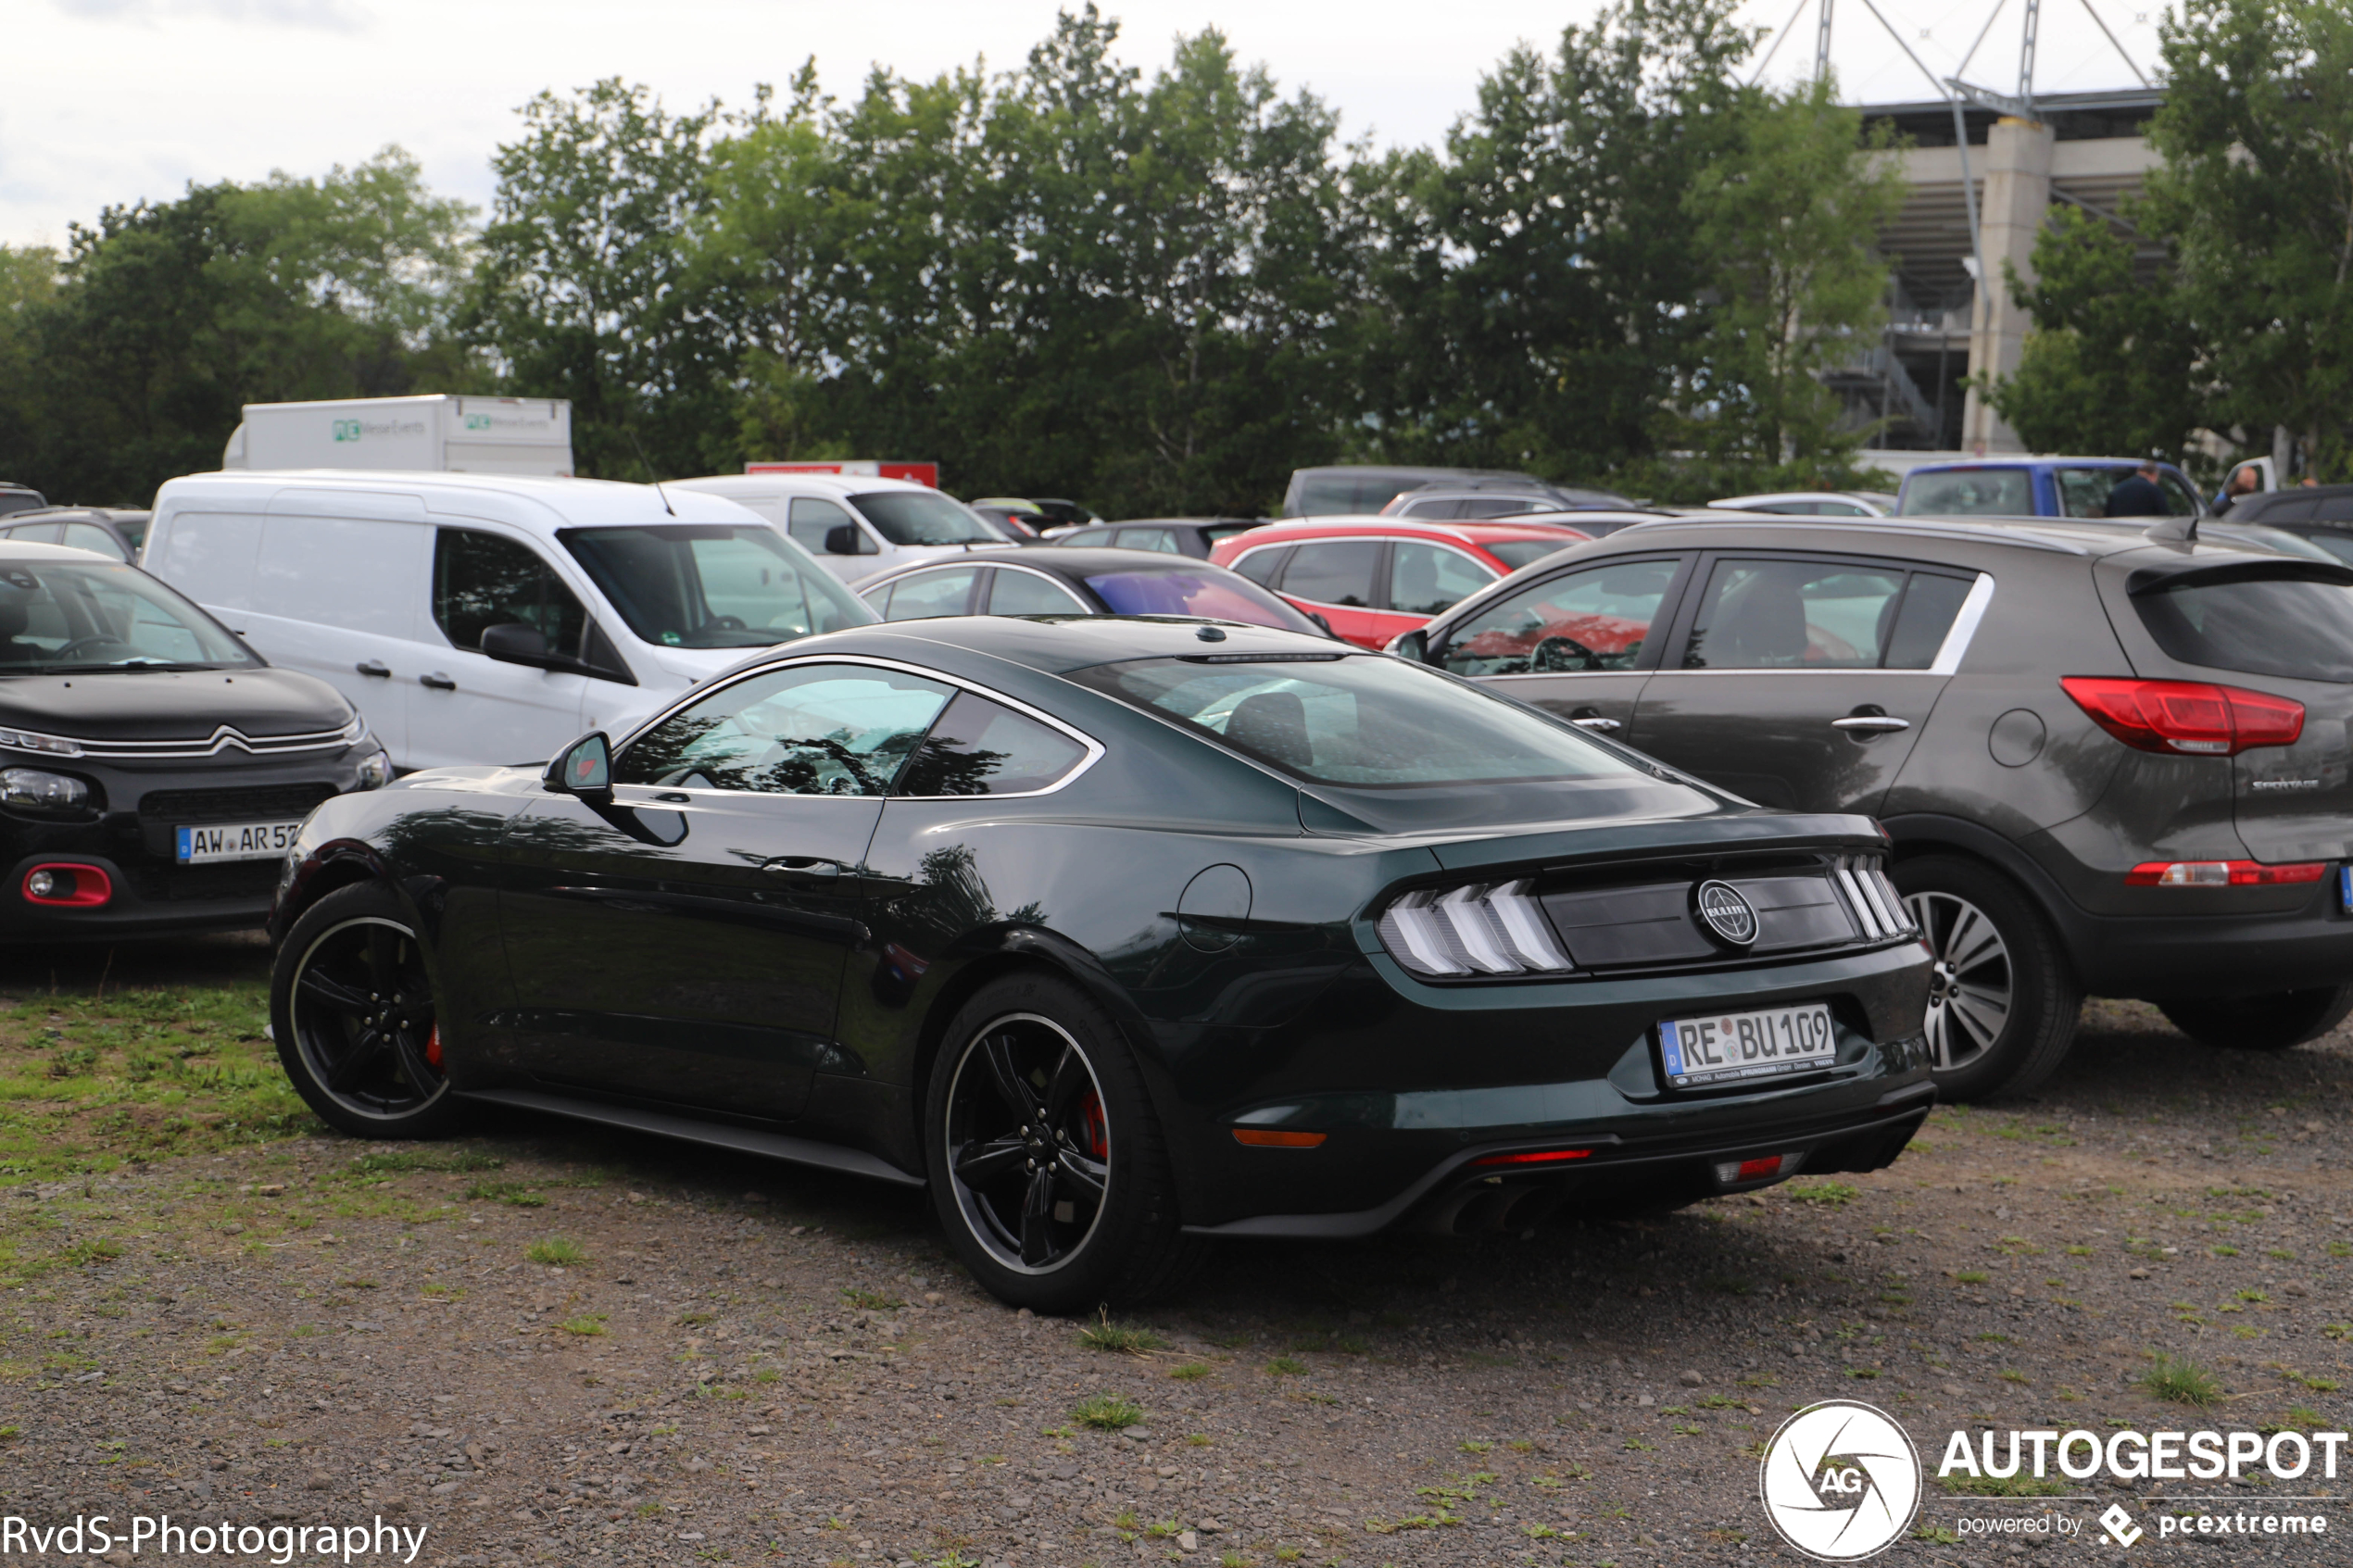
(2345, 888)
(1726, 1047)
(236, 840)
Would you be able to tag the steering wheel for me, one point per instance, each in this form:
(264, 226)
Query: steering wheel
(1554, 652)
(102, 640)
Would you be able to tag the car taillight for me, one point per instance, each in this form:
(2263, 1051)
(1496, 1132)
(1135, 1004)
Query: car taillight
(1480, 928)
(2186, 716)
(2222, 873)
(1877, 907)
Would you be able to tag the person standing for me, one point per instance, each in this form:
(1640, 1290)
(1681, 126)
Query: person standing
(2138, 495)
(2245, 480)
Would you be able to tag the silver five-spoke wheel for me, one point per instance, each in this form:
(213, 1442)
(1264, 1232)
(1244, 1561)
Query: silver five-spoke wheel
(1970, 994)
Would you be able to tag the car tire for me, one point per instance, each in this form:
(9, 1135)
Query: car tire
(2277, 1021)
(352, 1010)
(1048, 1167)
(2004, 1001)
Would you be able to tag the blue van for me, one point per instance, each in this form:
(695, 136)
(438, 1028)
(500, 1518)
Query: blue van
(2033, 488)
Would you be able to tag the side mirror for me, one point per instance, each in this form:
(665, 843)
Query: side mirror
(844, 539)
(583, 768)
(1412, 644)
(1317, 616)
(511, 642)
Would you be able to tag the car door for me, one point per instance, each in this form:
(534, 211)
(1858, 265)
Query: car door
(1335, 579)
(1577, 643)
(466, 708)
(683, 942)
(1802, 680)
(340, 598)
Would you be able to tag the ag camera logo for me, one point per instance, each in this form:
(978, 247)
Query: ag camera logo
(1840, 1481)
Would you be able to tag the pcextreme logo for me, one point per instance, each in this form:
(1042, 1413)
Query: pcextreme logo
(1840, 1481)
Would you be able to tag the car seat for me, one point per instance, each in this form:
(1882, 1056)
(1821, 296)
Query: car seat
(1272, 725)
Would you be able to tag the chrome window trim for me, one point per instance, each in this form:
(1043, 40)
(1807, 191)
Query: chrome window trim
(1094, 747)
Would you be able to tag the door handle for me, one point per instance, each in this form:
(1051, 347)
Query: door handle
(1595, 721)
(801, 865)
(1871, 724)
(438, 682)
(375, 667)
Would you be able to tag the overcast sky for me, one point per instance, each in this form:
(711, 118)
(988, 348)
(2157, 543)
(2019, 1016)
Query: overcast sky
(116, 100)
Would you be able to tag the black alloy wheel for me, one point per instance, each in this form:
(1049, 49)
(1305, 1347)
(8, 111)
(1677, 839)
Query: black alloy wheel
(1028, 1148)
(2002, 1000)
(353, 1010)
(1047, 1168)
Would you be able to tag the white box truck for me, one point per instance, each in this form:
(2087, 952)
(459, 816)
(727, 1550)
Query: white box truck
(437, 434)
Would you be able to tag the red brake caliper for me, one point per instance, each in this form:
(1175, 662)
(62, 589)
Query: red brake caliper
(433, 1048)
(1093, 1130)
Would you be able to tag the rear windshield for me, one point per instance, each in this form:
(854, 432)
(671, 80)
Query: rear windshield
(2260, 622)
(925, 517)
(1214, 593)
(1971, 492)
(1362, 720)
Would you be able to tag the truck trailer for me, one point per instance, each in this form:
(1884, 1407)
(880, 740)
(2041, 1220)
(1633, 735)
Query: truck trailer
(440, 433)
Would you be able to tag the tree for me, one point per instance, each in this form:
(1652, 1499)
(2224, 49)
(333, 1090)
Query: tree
(2108, 365)
(586, 288)
(1789, 211)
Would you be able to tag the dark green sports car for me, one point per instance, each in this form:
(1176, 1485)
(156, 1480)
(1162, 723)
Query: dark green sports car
(1119, 936)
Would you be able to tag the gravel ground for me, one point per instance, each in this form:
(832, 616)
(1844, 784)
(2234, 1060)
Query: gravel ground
(734, 1362)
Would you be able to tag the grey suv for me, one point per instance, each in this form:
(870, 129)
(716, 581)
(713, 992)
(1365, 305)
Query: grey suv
(2109, 762)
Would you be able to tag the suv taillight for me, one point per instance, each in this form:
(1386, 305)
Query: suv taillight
(2186, 717)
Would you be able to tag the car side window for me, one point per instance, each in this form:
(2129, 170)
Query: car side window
(1931, 602)
(1794, 615)
(1026, 593)
(89, 536)
(925, 594)
(1492, 506)
(2335, 509)
(1591, 619)
(35, 532)
(1429, 580)
(984, 748)
(1158, 539)
(2335, 543)
(2180, 499)
(810, 519)
(483, 580)
(818, 729)
(1088, 536)
(1260, 566)
(2083, 492)
(1333, 572)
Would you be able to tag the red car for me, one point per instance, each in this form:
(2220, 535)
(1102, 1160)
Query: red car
(1372, 577)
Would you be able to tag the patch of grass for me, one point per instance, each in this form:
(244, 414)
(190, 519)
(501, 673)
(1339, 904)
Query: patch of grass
(1199, 1440)
(1108, 1412)
(585, 1326)
(1105, 1334)
(1478, 1448)
(556, 1251)
(1286, 1366)
(696, 1320)
(1824, 1195)
(1191, 1371)
(517, 1194)
(400, 1160)
(2182, 1382)
(1972, 1276)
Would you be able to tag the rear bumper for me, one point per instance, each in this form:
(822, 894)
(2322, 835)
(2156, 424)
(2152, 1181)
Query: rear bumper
(1460, 1195)
(2207, 955)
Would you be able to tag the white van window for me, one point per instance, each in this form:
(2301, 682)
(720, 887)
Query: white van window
(924, 517)
(481, 580)
(811, 520)
(210, 557)
(360, 573)
(714, 585)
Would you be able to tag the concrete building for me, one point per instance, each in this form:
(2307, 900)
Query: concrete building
(2086, 150)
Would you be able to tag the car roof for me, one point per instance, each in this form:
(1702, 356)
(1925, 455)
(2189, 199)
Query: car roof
(1462, 530)
(23, 550)
(1061, 560)
(1056, 645)
(2022, 461)
(1174, 522)
(2075, 536)
(538, 503)
(828, 485)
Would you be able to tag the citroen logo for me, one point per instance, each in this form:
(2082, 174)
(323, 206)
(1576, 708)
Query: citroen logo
(1726, 913)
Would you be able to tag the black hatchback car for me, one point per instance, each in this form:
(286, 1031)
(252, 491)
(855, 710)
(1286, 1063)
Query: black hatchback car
(2108, 761)
(1119, 934)
(153, 770)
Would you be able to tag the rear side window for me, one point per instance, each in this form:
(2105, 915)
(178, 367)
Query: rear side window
(1337, 572)
(2259, 623)
(1932, 603)
(1026, 593)
(483, 580)
(984, 748)
(1973, 493)
(1260, 566)
(1428, 580)
(1322, 495)
(930, 594)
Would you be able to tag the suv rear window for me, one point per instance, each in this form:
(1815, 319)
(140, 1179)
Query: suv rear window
(2258, 620)
(1971, 492)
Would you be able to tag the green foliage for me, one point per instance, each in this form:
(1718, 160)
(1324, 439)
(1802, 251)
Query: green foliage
(556, 1251)
(1108, 1412)
(1105, 1334)
(2182, 1382)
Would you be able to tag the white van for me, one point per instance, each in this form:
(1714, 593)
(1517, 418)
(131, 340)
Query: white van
(487, 617)
(855, 525)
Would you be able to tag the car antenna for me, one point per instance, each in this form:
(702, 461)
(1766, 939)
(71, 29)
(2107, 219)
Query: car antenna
(2175, 531)
(660, 493)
